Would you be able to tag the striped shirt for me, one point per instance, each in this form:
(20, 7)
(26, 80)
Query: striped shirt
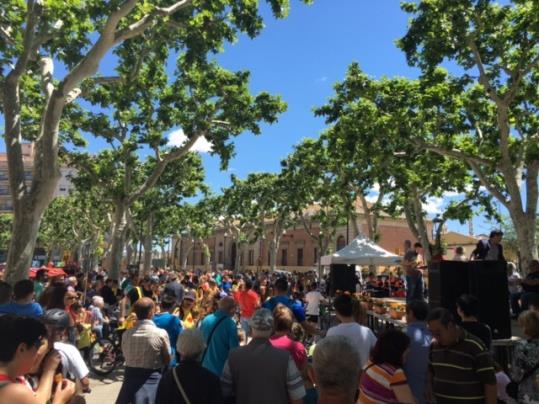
(460, 371)
(377, 382)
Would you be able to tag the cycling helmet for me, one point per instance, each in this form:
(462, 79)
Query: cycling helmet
(57, 318)
(154, 280)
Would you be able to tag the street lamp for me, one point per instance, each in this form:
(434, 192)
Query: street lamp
(436, 223)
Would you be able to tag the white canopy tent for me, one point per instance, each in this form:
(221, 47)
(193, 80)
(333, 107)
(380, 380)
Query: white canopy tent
(362, 251)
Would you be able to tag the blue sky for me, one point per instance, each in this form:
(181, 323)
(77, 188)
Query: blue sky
(300, 58)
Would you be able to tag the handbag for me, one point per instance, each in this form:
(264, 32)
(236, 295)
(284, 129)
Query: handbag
(180, 387)
(512, 387)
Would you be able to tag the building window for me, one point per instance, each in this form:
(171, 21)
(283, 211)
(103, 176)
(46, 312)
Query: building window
(220, 259)
(62, 189)
(284, 257)
(341, 243)
(300, 257)
(315, 255)
(251, 257)
(202, 258)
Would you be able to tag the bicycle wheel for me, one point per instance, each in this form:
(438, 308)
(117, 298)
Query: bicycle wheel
(102, 358)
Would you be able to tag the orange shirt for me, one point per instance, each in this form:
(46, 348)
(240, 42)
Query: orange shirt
(249, 301)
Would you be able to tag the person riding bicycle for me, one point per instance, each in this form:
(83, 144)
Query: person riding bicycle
(72, 364)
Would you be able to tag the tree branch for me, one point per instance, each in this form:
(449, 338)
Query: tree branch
(5, 33)
(453, 153)
(89, 64)
(148, 21)
(488, 185)
(483, 78)
(46, 66)
(162, 164)
(34, 11)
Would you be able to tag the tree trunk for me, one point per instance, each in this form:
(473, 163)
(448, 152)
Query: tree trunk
(525, 229)
(239, 251)
(118, 238)
(371, 231)
(148, 241)
(420, 223)
(21, 247)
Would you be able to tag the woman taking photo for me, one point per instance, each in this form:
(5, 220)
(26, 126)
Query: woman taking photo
(383, 380)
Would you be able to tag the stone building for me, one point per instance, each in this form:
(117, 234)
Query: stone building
(297, 251)
(62, 188)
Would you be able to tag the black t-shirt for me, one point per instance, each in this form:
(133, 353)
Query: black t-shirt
(133, 294)
(200, 385)
(108, 295)
(531, 288)
(480, 330)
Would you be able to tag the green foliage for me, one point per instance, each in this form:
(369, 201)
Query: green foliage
(6, 221)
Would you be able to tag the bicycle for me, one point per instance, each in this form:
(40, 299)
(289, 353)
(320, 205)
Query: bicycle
(106, 354)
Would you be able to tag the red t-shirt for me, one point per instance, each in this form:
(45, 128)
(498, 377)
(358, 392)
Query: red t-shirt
(248, 301)
(296, 349)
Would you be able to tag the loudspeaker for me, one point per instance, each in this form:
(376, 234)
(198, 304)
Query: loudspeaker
(487, 280)
(342, 277)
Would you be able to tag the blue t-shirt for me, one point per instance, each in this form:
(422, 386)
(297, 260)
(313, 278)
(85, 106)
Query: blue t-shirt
(297, 309)
(29, 310)
(171, 324)
(224, 338)
(226, 287)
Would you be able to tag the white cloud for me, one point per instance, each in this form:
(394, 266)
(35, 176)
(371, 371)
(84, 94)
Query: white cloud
(177, 138)
(433, 205)
(322, 79)
(451, 194)
(372, 198)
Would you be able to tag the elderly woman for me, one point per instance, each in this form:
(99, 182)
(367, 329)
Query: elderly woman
(189, 382)
(337, 380)
(526, 359)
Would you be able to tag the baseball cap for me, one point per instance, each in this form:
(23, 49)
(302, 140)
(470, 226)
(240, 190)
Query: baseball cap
(189, 295)
(58, 318)
(262, 320)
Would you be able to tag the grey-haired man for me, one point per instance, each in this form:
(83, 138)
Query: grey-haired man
(258, 372)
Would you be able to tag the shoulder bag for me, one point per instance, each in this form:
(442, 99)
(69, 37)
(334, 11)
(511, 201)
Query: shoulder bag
(179, 385)
(209, 337)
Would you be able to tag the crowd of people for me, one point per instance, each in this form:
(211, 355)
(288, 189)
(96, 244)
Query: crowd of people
(194, 337)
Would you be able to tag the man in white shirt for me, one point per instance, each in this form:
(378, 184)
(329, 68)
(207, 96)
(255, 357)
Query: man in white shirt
(361, 337)
(313, 299)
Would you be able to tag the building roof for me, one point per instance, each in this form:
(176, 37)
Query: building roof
(454, 238)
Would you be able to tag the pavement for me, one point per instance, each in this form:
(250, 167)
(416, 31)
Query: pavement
(104, 389)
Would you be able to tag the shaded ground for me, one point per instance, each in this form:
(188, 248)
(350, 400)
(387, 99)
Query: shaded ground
(105, 389)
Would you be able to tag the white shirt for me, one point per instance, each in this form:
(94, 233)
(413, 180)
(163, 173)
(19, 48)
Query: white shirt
(313, 299)
(361, 337)
(512, 280)
(72, 362)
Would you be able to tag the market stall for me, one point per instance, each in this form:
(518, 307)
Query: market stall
(362, 251)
